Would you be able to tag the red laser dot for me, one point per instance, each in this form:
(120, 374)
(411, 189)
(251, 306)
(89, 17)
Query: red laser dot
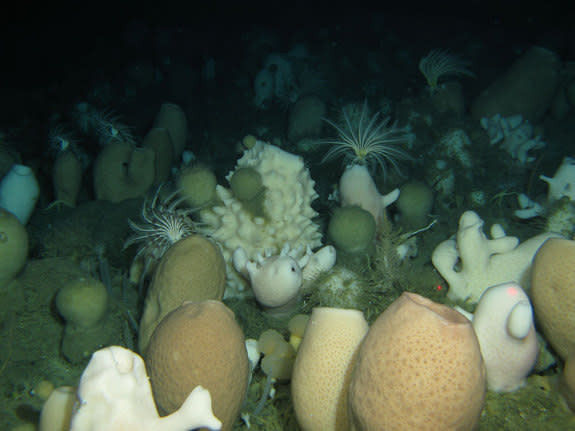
(512, 290)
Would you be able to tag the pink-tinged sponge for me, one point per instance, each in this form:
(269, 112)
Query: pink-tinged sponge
(503, 323)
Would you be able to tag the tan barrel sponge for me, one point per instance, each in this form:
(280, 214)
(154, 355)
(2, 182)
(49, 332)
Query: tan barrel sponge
(158, 139)
(173, 118)
(567, 381)
(67, 178)
(553, 295)
(193, 269)
(199, 343)
(322, 369)
(418, 368)
(123, 171)
(13, 247)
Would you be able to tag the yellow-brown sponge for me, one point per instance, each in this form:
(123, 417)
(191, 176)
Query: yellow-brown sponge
(13, 246)
(419, 368)
(199, 343)
(193, 269)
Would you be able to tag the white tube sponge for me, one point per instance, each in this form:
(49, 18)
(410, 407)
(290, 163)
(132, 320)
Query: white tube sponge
(19, 191)
(483, 262)
(356, 187)
(115, 395)
(503, 323)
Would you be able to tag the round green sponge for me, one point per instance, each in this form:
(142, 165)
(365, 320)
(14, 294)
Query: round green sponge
(197, 186)
(351, 229)
(246, 184)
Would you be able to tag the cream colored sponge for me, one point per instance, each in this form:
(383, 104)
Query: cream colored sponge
(322, 369)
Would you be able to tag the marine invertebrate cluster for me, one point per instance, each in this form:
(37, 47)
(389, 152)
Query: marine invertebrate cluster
(514, 135)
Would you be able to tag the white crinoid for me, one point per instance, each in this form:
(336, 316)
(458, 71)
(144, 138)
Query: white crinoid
(368, 140)
(163, 225)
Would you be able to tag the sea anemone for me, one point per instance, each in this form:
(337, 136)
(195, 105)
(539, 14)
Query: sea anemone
(438, 64)
(163, 225)
(366, 141)
(109, 129)
(60, 139)
(104, 124)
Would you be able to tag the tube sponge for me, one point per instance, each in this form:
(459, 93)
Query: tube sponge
(19, 191)
(322, 370)
(172, 118)
(122, 171)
